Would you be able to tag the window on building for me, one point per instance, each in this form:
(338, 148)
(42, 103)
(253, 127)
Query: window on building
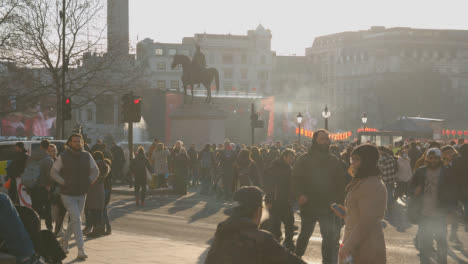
(175, 84)
(244, 73)
(227, 74)
(244, 87)
(105, 109)
(159, 52)
(172, 52)
(227, 86)
(161, 66)
(89, 114)
(161, 84)
(244, 58)
(262, 75)
(228, 58)
(184, 52)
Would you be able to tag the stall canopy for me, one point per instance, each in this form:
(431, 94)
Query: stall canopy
(417, 127)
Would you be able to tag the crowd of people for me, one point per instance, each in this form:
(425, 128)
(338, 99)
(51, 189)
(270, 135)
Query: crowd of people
(79, 178)
(350, 185)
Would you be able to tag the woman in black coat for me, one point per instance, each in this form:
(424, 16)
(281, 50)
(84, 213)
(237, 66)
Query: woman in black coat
(138, 168)
(182, 163)
(95, 200)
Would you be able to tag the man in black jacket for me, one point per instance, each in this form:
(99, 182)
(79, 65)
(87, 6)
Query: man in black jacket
(433, 186)
(238, 239)
(319, 181)
(15, 170)
(277, 185)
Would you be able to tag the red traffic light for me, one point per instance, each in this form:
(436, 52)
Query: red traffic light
(67, 101)
(137, 101)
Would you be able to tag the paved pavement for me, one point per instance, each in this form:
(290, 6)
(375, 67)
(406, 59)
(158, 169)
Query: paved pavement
(179, 229)
(121, 247)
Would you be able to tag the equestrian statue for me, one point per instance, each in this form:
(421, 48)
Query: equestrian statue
(195, 72)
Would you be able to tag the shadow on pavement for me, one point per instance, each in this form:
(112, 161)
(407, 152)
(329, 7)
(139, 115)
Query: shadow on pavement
(202, 257)
(457, 258)
(182, 204)
(208, 210)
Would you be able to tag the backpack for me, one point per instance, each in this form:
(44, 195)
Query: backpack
(31, 174)
(206, 161)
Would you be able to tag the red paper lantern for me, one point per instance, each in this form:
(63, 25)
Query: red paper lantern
(454, 132)
(460, 133)
(297, 130)
(254, 89)
(466, 133)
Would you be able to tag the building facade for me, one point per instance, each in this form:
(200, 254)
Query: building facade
(392, 72)
(244, 62)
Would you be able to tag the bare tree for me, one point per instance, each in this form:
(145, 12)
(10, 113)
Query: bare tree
(87, 74)
(8, 13)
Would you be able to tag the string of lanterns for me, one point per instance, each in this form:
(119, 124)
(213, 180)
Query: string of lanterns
(453, 132)
(335, 136)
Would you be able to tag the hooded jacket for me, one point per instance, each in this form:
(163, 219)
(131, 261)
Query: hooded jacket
(319, 176)
(238, 240)
(45, 164)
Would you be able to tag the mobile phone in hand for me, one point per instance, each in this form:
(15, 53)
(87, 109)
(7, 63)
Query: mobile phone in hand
(339, 210)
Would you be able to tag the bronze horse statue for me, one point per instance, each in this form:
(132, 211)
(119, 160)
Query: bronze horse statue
(190, 77)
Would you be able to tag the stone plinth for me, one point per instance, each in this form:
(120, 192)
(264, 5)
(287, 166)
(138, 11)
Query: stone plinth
(198, 124)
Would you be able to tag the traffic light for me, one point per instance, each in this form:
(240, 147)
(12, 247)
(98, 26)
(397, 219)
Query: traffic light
(255, 123)
(131, 108)
(136, 109)
(66, 109)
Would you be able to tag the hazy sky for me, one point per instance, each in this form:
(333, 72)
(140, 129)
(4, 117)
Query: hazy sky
(294, 24)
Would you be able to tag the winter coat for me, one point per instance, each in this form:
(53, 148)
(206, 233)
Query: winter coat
(365, 208)
(447, 197)
(320, 177)
(45, 165)
(238, 240)
(160, 163)
(96, 192)
(138, 167)
(278, 183)
(460, 172)
(182, 163)
(206, 159)
(245, 175)
(18, 165)
(193, 155)
(227, 159)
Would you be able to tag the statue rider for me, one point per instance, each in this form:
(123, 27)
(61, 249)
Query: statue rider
(198, 63)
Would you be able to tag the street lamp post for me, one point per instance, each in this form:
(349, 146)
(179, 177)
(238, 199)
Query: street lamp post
(326, 114)
(364, 120)
(299, 122)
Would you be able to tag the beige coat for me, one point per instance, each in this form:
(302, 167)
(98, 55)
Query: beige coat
(365, 209)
